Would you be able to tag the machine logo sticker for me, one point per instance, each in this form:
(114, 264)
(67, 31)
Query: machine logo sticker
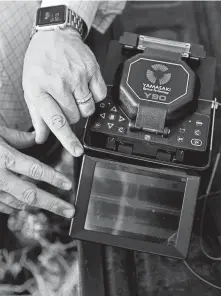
(152, 80)
(158, 69)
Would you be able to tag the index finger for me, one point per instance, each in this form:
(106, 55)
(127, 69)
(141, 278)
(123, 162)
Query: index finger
(57, 122)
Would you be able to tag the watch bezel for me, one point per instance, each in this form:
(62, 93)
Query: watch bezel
(53, 26)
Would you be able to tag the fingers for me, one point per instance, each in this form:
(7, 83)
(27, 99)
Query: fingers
(12, 202)
(17, 162)
(87, 94)
(17, 139)
(56, 99)
(61, 92)
(56, 121)
(84, 100)
(29, 194)
(98, 87)
(5, 209)
(41, 129)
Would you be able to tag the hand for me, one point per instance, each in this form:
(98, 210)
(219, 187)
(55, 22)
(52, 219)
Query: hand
(16, 193)
(61, 82)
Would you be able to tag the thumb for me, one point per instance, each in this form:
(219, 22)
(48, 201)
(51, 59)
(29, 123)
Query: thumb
(17, 139)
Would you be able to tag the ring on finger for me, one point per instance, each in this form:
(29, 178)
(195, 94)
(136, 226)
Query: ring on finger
(84, 100)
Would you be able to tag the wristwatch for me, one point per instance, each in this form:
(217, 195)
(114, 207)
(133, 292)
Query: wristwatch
(58, 17)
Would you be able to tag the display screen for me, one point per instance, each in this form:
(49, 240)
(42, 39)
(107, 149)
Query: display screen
(135, 203)
(51, 15)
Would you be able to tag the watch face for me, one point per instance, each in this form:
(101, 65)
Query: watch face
(51, 15)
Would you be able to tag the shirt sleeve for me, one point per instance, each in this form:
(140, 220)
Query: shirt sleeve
(106, 13)
(99, 14)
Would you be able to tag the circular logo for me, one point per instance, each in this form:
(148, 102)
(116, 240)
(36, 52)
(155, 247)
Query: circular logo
(158, 74)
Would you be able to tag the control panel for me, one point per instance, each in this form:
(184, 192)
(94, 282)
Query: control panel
(188, 134)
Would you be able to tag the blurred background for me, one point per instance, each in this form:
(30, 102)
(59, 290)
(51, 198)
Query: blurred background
(35, 248)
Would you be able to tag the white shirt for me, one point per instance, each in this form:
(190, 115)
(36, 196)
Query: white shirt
(16, 21)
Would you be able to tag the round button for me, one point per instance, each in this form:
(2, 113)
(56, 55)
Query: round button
(112, 116)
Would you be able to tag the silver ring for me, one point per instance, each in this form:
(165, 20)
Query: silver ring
(84, 100)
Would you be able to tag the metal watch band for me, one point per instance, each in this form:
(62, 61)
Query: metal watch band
(76, 22)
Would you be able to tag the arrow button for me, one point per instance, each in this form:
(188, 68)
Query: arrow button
(110, 125)
(114, 109)
(121, 118)
(103, 115)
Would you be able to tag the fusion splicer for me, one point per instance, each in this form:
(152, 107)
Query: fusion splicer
(160, 108)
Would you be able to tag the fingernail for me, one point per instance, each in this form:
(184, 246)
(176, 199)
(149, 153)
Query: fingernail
(69, 213)
(78, 150)
(66, 186)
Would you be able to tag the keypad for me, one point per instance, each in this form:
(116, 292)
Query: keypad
(191, 133)
(110, 119)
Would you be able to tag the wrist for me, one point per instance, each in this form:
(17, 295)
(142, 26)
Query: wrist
(71, 32)
(62, 35)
